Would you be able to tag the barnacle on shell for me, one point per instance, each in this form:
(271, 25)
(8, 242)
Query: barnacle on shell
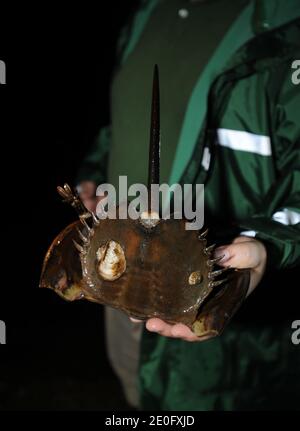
(111, 261)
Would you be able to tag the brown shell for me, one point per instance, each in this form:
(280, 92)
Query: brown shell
(158, 265)
(168, 273)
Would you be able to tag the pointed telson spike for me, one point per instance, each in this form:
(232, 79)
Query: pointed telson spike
(154, 147)
(209, 249)
(211, 262)
(214, 274)
(203, 234)
(78, 247)
(217, 283)
(82, 237)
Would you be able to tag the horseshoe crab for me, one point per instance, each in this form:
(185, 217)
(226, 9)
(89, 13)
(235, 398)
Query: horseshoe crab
(149, 267)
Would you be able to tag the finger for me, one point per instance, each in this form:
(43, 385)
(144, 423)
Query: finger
(223, 253)
(240, 255)
(178, 330)
(184, 332)
(159, 326)
(173, 331)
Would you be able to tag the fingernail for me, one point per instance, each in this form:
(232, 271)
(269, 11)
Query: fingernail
(222, 252)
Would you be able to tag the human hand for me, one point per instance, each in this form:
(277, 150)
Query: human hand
(243, 253)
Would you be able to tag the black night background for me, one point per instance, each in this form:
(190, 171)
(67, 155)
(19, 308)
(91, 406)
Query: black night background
(59, 66)
(59, 63)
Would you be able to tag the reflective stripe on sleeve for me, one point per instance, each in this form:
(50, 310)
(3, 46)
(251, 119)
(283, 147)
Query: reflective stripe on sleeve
(244, 141)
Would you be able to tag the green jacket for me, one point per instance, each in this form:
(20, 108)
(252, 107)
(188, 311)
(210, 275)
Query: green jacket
(245, 148)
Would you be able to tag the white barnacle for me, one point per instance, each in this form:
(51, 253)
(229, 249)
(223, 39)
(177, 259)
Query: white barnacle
(195, 278)
(111, 261)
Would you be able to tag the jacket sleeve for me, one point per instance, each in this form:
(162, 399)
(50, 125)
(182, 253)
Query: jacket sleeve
(94, 165)
(278, 224)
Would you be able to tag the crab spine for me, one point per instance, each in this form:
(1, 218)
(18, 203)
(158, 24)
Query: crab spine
(212, 275)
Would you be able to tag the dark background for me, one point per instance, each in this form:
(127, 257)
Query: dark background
(59, 64)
